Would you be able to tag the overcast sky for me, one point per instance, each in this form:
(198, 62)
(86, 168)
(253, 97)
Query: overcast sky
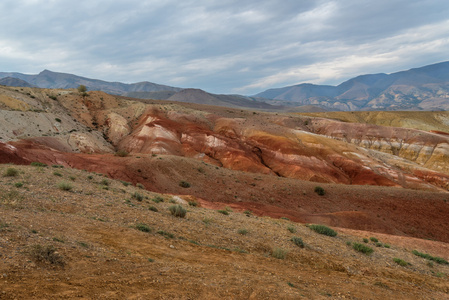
(225, 46)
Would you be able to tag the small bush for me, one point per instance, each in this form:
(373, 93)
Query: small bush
(292, 229)
(46, 254)
(362, 248)
(158, 199)
(58, 120)
(152, 208)
(387, 246)
(18, 184)
(57, 174)
(140, 186)
(279, 253)
(400, 262)
(436, 259)
(223, 211)
(378, 244)
(178, 211)
(166, 234)
(143, 227)
(373, 239)
(242, 231)
(320, 191)
(11, 172)
(121, 153)
(38, 164)
(365, 240)
(137, 196)
(184, 184)
(65, 186)
(322, 229)
(298, 241)
(104, 182)
(193, 203)
(57, 166)
(90, 177)
(248, 213)
(72, 178)
(125, 183)
(207, 221)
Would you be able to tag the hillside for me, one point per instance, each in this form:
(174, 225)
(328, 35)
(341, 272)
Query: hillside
(425, 88)
(109, 158)
(69, 233)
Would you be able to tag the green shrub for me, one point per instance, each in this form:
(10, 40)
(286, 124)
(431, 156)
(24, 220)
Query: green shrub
(158, 199)
(291, 228)
(322, 229)
(436, 259)
(18, 184)
(193, 203)
(279, 253)
(58, 120)
(373, 239)
(242, 231)
(38, 164)
(298, 241)
(152, 208)
(104, 182)
(137, 196)
(57, 166)
(45, 254)
(362, 248)
(400, 262)
(320, 191)
(57, 174)
(166, 234)
(140, 186)
(184, 184)
(365, 240)
(65, 186)
(223, 211)
(143, 227)
(387, 246)
(178, 211)
(72, 178)
(11, 172)
(125, 183)
(90, 177)
(378, 244)
(248, 213)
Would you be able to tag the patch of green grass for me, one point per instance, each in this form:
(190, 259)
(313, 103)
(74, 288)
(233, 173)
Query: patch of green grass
(298, 241)
(18, 184)
(158, 199)
(90, 177)
(150, 260)
(322, 229)
(58, 240)
(178, 211)
(83, 244)
(248, 213)
(193, 203)
(125, 183)
(373, 239)
(400, 262)
(279, 253)
(153, 208)
(104, 182)
(224, 212)
(166, 234)
(38, 164)
(291, 228)
(365, 240)
(242, 231)
(65, 186)
(57, 166)
(11, 172)
(57, 174)
(143, 227)
(436, 259)
(72, 178)
(207, 221)
(121, 153)
(140, 186)
(387, 246)
(362, 248)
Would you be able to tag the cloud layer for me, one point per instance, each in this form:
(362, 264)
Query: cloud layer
(222, 46)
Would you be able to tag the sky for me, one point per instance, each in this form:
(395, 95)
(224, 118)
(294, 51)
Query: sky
(226, 46)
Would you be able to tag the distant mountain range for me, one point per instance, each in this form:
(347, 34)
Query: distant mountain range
(425, 88)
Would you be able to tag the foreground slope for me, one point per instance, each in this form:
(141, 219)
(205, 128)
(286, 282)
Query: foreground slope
(91, 226)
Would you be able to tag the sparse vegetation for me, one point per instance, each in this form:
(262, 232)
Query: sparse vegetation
(373, 239)
(137, 196)
(153, 208)
(11, 172)
(223, 211)
(436, 259)
(365, 240)
(184, 184)
(18, 184)
(400, 262)
(243, 231)
(121, 153)
(57, 174)
(291, 228)
(143, 227)
(166, 234)
(322, 229)
(320, 191)
(193, 203)
(46, 254)
(140, 186)
(65, 186)
(362, 248)
(157, 199)
(104, 182)
(279, 253)
(178, 211)
(38, 164)
(298, 241)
